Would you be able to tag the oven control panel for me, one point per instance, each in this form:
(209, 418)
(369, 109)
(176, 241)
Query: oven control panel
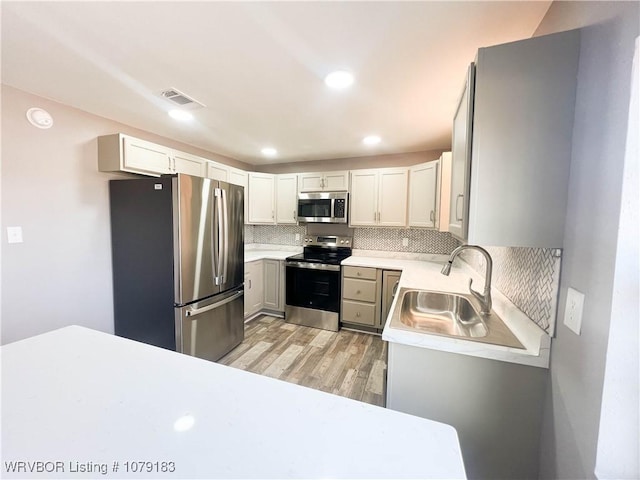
(327, 241)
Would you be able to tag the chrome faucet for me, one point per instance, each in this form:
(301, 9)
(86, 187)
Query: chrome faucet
(485, 297)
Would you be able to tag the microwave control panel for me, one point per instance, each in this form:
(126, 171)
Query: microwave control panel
(338, 208)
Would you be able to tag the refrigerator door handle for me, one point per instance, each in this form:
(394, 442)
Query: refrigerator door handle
(196, 311)
(224, 262)
(218, 235)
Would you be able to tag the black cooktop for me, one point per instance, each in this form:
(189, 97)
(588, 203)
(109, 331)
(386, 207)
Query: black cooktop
(322, 255)
(324, 249)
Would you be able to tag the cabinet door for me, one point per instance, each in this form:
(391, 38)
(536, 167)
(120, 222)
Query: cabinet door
(363, 202)
(254, 289)
(423, 183)
(310, 182)
(262, 198)
(286, 198)
(390, 280)
(240, 177)
(335, 181)
(217, 171)
(272, 285)
(189, 164)
(141, 156)
(444, 191)
(392, 198)
(461, 160)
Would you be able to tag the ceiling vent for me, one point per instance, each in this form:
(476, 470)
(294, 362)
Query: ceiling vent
(178, 98)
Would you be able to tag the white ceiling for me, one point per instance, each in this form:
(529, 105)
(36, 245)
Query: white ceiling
(259, 68)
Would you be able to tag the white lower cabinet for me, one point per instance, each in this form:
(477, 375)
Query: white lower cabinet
(264, 284)
(495, 406)
(272, 285)
(253, 287)
(361, 296)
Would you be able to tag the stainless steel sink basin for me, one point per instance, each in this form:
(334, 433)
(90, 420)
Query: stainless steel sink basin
(441, 313)
(450, 315)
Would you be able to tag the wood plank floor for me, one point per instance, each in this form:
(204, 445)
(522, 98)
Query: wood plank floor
(346, 363)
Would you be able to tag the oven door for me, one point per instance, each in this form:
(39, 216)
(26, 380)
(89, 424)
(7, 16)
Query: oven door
(313, 285)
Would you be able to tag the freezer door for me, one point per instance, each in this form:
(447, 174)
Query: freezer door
(230, 218)
(196, 238)
(211, 328)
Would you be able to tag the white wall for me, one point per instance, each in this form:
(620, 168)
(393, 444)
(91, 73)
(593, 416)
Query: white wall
(51, 187)
(574, 400)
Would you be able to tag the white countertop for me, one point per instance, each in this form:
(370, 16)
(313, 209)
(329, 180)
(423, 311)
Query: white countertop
(423, 272)
(86, 398)
(256, 251)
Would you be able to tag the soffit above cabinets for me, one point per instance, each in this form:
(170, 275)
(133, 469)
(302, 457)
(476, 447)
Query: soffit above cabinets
(258, 67)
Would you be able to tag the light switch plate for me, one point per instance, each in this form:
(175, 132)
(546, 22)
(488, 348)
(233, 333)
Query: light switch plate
(405, 242)
(573, 310)
(14, 234)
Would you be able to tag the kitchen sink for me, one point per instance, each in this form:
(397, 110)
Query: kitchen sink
(450, 315)
(441, 313)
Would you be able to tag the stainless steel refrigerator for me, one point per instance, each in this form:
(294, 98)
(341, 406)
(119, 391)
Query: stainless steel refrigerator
(178, 263)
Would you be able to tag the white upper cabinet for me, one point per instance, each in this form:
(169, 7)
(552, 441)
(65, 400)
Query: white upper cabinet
(262, 189)
(423, 194)
(324, 181)
(217, 171)
(379, 197)
(122, 153)
(240, 177)
(286, 198)
(523, 109)
(189, 164)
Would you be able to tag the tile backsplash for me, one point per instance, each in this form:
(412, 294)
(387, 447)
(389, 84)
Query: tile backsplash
(386, 239)
(529, 277)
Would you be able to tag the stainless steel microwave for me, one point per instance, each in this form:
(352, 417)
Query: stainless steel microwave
(323, 207)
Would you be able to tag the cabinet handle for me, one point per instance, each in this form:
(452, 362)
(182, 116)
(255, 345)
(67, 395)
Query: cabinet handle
(432, 216)
(322, 182)
(358, 292)
(294, 215)
(249, 284)
(460, 195)
(272, 214)
(357, 314)
(170, 167)
(358, 273)
(395, 289)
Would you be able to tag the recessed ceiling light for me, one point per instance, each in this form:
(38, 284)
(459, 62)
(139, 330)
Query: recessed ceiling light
(180, 115)
(371, 140)
(269, 152)
(339, 79)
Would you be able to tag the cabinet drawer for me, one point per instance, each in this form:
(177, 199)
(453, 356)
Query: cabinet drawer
(360, 272)
(356, 312)
(356, 289)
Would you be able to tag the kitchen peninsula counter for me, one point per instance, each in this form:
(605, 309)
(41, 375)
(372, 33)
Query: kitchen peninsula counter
(83, 399)
(422, 271)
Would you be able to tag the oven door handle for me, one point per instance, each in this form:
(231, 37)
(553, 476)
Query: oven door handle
(313, 266)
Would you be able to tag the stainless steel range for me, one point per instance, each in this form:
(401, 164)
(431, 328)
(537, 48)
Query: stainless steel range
(313, 282)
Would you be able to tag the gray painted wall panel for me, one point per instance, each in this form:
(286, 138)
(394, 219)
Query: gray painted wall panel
(572, 408)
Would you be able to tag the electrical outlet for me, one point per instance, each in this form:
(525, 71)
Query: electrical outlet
(405, 242)
(573, 310)
(14, 234)
(297, 237)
